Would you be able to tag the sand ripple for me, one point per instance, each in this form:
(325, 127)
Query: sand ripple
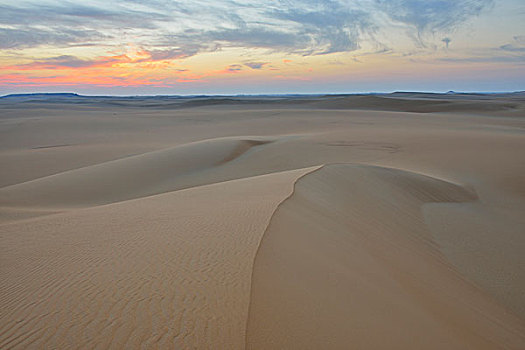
(168, 271)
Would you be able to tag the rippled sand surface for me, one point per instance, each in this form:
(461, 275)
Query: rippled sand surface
(390, 221)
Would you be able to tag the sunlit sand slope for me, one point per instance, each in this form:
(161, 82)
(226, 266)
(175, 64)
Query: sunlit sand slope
(348, 262)
(132, 177)
(171, 271)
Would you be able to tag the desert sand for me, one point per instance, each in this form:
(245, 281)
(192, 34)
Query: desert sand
(263, 222)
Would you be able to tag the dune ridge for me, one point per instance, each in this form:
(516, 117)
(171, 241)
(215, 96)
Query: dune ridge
(397, 101)
(348, 259)
(127, 178)
(171, 270)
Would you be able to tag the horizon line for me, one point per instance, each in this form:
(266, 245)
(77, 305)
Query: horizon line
(450, 92)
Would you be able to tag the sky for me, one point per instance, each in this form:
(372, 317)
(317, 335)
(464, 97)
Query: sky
(149, 47)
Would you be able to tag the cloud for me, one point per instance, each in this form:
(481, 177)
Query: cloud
(70, 62)
(485, 59)
(233, 68)
(174, 53)
(512, 48)
(326, 26)
(432, 15)
(65, 61)
(255, 65)
(32, 37)
(299, 26)
(138, 56)
(508, 53)
(517, 48)
(253, 38)
(181, 29)
(72, 13)
(519, 38)
(68, 24)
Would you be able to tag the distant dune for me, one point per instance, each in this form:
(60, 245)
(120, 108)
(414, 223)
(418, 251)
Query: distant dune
(264, 222)
(398, 101)
(127, 178)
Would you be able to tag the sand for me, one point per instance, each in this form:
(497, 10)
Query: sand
(303, 222)
(166, 270)
(348, 259)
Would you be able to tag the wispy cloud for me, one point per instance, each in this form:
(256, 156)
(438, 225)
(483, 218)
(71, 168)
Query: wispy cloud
(138, 56)
(296, 26)
(117, 14)
(513, 52)
(21, 38)
(485, 59)
(327, 26)
(433, 15)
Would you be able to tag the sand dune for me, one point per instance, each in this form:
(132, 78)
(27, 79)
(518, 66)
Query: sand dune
(131, 177)
(348, 260)
(171, 270)
(173, 222)
(398, 101)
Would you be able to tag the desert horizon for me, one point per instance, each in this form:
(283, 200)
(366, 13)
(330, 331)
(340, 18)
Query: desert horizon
(65, 94)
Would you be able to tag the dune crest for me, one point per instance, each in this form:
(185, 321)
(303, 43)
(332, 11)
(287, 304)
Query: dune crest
(171, 270)
(347, 260)
(127, 178)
